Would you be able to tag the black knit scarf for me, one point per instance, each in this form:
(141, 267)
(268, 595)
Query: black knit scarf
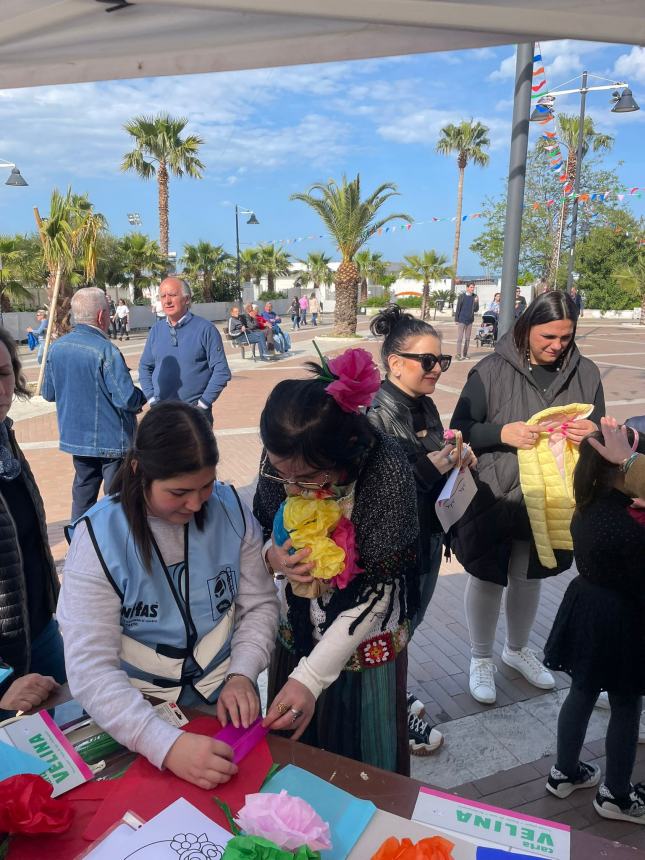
(386, 523)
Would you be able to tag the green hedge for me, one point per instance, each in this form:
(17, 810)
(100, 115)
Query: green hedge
(409, 302)
(271, 296)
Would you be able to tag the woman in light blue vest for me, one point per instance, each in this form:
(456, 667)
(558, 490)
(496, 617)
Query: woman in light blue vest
(165, 594)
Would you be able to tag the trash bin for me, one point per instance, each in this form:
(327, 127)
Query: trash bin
(439, 304)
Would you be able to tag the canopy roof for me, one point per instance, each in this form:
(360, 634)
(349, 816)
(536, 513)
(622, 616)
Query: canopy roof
(65, 41)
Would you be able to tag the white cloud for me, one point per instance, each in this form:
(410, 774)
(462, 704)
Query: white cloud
(505, 71)
(481, 54)
(561, 57)
(631, 67)
(65, 132)
(423, 126)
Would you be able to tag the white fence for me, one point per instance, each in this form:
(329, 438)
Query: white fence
(141, 316)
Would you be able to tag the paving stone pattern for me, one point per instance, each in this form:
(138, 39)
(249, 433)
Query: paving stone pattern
(497, 753)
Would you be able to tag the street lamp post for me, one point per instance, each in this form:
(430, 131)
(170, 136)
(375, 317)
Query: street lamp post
(252, 220)
(623, 103)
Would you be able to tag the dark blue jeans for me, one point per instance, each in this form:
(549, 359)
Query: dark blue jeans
(47, 658)
(90, 472)
(428, 578)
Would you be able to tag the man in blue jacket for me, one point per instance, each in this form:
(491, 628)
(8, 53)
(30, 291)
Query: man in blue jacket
(183, 358)
(96, 400)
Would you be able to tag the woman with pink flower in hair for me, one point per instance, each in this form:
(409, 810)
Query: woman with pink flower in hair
(337, 502)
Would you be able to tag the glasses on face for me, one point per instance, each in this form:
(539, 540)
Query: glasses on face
(427, 360)
(286, 482)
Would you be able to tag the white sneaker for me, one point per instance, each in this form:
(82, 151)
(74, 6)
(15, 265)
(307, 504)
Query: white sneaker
(482, 680)
(602, 701)
(630, 808)
(527, 664)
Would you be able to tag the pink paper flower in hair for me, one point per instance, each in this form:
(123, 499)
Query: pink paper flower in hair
(357, 379)
(287, 821)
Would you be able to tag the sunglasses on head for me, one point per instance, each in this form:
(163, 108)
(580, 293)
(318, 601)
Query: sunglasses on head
(427, 360)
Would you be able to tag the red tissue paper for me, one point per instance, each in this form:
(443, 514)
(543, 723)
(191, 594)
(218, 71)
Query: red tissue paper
(27, 806)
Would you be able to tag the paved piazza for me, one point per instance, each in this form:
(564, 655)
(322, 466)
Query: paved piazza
(481, 740)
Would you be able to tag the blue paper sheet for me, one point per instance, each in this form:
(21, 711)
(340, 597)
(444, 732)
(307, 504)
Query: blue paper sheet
(13, 762)
(346, 815)
(485, 853)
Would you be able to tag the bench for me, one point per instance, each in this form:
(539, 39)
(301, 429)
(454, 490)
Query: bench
(239, 343)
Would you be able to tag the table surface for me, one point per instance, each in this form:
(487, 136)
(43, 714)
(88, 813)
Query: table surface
(389, 791)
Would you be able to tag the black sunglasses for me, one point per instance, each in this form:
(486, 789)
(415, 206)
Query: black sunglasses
(427, 360)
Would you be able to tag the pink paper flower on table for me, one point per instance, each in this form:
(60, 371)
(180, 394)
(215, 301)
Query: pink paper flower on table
(288, 821)
(358, 379)
(345, 536)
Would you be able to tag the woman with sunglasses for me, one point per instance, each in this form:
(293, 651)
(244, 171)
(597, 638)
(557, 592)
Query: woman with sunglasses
(535, 366)
(403, 408)
(338, 674)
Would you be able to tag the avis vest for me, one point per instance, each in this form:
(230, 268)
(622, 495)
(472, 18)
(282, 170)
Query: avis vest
(169, 642)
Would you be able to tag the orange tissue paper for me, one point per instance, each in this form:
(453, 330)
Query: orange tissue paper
(432, 848)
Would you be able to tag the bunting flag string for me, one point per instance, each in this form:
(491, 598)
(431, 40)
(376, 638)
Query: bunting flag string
(605, 196)
(544, 106)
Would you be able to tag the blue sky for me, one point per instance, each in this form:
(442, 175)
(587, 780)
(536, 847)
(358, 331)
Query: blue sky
(272, 132)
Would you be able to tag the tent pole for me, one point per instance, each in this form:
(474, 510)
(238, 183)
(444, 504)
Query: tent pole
(516, 179)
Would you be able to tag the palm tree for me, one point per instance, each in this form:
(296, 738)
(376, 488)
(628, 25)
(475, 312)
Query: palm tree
(203, 262)
(350, 222)
(251, 265)
(568, 135)
(159, 151)
(428, 267)
(469, 140)
(633, 278)
(110, 268)
(317, 270)
(371, 266)
(274, 263)
(143, 262)
(11, 288)
(69, 237)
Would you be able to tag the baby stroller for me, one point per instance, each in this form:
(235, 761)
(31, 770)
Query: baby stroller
(487, 331)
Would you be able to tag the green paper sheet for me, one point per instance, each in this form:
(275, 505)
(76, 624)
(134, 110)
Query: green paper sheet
(256, 848)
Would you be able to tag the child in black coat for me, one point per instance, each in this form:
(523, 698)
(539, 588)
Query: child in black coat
(598, 636)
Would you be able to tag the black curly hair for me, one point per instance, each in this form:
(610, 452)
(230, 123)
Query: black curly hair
(396, 327)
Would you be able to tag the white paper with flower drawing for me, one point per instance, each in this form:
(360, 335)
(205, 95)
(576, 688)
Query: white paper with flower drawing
(458, 492)
(180, 832)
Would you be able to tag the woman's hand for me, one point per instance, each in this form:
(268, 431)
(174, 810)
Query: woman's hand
(292, 709)
(468, 458)
(575, 431)
(27, 692)
(519, 434)
(239, 701)
(295, 567)
(203, 761)
(445, 460)
(616, 448)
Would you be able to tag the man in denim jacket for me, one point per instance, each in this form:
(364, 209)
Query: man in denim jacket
(96, 400)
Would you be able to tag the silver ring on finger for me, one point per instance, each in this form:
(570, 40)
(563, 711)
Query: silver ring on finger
(296, 714)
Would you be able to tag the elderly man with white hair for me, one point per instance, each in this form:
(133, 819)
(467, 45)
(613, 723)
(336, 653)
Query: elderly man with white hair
(96, 400)
(183, 358)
